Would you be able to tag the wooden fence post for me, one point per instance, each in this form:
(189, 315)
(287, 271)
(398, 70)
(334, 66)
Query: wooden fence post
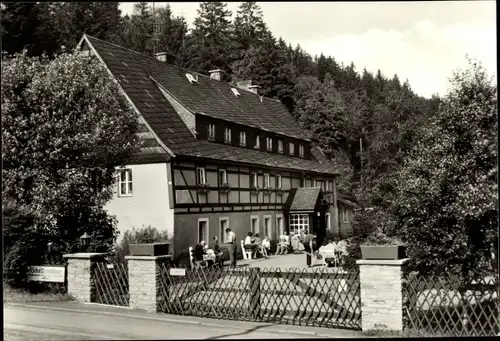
(254, 286)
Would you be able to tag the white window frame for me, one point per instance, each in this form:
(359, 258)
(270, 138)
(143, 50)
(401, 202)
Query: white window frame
(269, 233)
(206, 232)
(222, 172)
(256, 144)
(254, 175)
(301, 150)
(345, 215)
(292, 148)
(267, 180)
(298, 222)
(252, 218)
(223, 236)
(279, 182)
(227, 135)
(211, 131)
(280, 146)
(243, 138)
(203, 175)
(269, 143)
(128, 182)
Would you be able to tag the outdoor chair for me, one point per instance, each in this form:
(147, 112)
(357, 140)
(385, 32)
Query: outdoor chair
(247, 254)
(194, 263)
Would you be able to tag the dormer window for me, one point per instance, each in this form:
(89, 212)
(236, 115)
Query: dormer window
(301, 150)
(191, 78)
(257, 142)
(280, 146)
(227, 135)
(211, 131)
(269, 143)
(243, 138)
(292, 148)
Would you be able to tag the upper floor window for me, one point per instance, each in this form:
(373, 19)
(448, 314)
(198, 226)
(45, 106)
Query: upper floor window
(227, 135)
(269, 143)
(211, 131)
(200, 174)
(267, 181)
(329, 185)
(280, 146)
(222, 177)
(301, 150)
(253, 180)
(243, 138)
(278, 181)
(257, 142)
(125, 183)
(292, 148)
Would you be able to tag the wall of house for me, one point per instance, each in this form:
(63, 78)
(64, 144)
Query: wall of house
(186, 226)
(149, 203)
(345, 227)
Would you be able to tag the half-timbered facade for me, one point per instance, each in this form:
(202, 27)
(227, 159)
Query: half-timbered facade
(214, 155)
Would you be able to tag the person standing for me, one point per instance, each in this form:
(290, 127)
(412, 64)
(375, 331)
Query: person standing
(311, 246)
(232, 246)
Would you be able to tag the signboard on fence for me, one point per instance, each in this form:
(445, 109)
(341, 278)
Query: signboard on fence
(177, 272)
(47, 273)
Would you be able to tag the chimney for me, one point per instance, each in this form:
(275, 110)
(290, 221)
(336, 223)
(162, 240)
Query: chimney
(247, 85)
(166, 57)
(216, 74)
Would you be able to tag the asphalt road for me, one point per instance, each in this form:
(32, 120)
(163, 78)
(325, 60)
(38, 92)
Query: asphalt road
(42, 324)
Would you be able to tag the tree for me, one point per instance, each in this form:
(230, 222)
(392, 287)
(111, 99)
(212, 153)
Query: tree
(249, 28)
(171, 30)
(208, 46)
(136, 32)
(446, 207)
(20, 21)
(64, 130)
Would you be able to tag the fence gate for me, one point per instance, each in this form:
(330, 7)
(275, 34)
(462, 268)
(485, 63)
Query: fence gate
(111, 283)
(319, 297)
(444, 306)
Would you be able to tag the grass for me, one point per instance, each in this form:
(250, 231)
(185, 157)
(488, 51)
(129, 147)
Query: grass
(18, 295)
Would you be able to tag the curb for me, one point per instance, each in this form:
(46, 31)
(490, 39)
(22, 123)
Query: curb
(165, 319)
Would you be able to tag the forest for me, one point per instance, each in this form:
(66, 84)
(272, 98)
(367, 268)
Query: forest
(364, 122)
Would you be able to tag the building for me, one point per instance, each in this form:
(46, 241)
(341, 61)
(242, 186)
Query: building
(214, 155)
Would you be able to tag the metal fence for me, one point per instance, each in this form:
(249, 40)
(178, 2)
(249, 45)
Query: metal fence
(447, 306)
(111, 283)
(319, 297)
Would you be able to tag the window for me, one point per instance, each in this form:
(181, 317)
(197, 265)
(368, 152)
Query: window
(200, 173)
(328, 226)
(202, 229)
(243, 138)
(280, 146)
(269, 143)
(279, 225)
(318, 183)
(254, 224)
(257, 142)
(267, 181)
(253, 180)
(267, 227)
(292, 148)
(301, 150)
(299, 222)
(223, 225)
(278, 180)
(345, 214)
(125, 183)
(329, 185)
(222, 177)
(211, 131)
(227, 135)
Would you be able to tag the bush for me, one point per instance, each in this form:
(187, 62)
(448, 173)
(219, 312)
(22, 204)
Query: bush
(145, 235)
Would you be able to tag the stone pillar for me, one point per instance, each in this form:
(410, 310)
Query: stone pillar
(381, 294)
(145, 281)
(81, 272)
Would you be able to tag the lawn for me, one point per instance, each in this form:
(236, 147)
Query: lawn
(18, 295)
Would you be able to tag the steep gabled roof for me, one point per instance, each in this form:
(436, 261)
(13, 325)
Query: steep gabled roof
(303, 199)
(134, 71)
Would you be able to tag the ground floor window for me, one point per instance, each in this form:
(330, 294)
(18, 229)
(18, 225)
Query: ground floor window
(267, 228)
(223, 225)
(254, 225)
(279, 224)
(202, 230)
(299, 222)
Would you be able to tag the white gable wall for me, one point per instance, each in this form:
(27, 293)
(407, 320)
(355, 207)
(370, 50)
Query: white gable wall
(149, 203)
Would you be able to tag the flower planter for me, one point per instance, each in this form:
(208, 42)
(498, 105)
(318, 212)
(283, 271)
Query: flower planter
(389, 252)
(153, 249)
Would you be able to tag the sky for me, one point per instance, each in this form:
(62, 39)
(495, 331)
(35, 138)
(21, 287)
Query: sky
(421, 41)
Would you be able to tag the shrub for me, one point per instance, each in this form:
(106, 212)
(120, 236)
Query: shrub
(144, 235)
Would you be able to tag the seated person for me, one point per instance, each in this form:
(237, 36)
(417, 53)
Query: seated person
(198, 252)
(266, 246)
(249, 243)
(294, 241)
(218, 252)
(258, 242)
(283, 244)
